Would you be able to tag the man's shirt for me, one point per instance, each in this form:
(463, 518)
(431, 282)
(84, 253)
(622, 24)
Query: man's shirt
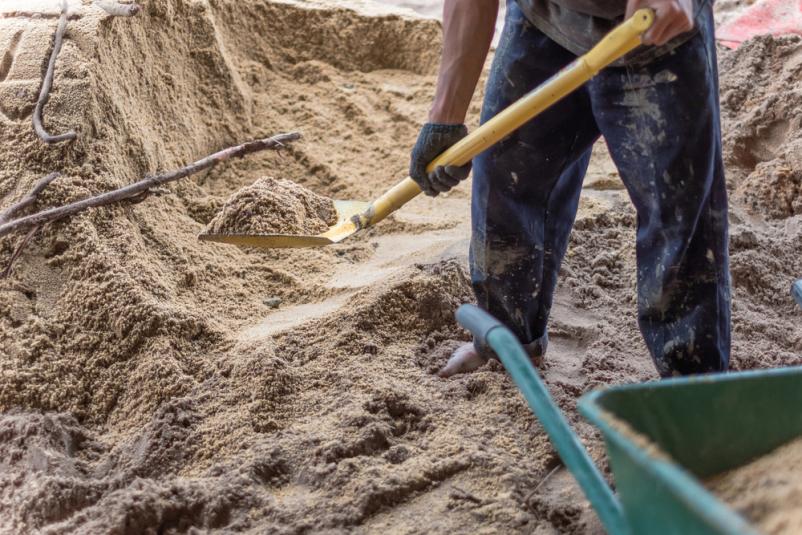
(578, 25)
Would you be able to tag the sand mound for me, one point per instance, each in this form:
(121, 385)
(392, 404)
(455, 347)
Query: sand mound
(762, 105)
(147, 379)
(271, 206)
(767, 491)
(124, 305)
(762, 115)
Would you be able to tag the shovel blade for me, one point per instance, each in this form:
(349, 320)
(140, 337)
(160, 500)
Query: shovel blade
(341, 230)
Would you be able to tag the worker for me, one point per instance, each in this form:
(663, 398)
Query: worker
(658, 110)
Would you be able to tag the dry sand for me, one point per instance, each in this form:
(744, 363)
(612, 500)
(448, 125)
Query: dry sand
(767, 491)
(727, 10)
(147, 383)
(274, 206)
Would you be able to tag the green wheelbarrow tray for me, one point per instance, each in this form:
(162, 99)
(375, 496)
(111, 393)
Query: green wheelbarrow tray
(706, 425)
(701, 426)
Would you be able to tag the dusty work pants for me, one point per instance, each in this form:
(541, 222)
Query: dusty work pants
(661, 124)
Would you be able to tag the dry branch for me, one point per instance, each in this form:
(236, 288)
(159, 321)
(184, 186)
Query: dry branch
(6, 272)
(29, 199)
(47, 83)
(117, 9)
(138, 188)
(542, 482)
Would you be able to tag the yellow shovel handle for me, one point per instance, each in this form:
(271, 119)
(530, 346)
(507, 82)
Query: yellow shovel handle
(614, 45)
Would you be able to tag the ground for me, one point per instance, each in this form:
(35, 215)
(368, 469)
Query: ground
(150, 382)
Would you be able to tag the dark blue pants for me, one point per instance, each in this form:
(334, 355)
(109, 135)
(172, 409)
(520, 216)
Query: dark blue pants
(661, 125)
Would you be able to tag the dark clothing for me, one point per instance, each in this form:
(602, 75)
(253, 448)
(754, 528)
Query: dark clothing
(661, 125)
(606, 9)
(577, 25)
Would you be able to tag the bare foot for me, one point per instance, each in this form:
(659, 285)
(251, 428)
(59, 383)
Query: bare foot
(465, 359)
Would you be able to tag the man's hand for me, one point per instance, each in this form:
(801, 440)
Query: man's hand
(672, 17)
(468, 27)
(433, 139)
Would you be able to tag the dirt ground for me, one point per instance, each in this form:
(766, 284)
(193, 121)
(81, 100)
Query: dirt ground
(152, 383)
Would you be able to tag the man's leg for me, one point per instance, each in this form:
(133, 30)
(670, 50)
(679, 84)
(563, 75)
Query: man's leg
(661, 123)
(525, 188)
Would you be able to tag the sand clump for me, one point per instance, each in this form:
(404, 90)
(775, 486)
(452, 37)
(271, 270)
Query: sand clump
(274, 206)
(767, 491)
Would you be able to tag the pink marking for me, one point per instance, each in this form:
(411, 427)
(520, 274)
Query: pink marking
(775, 17)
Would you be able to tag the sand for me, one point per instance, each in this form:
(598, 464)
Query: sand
(150, 382)
(767, 491)
(274, 206)
(764, 104)
(727, 10)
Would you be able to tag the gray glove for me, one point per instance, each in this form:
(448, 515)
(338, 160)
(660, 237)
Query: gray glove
(434, 138)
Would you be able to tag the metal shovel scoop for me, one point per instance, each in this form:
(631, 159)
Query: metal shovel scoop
(354, 216)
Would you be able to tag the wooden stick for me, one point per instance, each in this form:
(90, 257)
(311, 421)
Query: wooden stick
(6, 272)
(47, 83)
(542, 482)
(117, 9)
(131, 190)
(29, 199)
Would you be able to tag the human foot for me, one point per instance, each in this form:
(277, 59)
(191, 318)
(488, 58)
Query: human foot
(464, 359)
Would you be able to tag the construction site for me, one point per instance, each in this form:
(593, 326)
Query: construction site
(155, 382)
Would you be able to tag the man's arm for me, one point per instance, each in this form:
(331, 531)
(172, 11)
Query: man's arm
(468, 27)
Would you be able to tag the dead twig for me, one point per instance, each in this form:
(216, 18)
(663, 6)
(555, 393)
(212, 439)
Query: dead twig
(137, 188)
(117, 9)
(6, 272)
(542, 482)
(47, 83)
(138, 198)
(460, 493)
(29, 199)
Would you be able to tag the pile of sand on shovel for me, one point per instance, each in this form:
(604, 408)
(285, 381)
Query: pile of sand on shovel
(274, 206)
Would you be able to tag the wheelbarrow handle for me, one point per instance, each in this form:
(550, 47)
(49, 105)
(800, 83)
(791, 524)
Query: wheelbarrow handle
(572, 452)
(796, 291)
(477, 321)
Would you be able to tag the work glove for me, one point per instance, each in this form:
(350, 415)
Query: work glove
(434, 138)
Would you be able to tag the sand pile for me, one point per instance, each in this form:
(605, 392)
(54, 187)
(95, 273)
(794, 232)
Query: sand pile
(274, 206)
(767, 491)
(762, 116)
(133, 399)
(762, 102)
(146, 378)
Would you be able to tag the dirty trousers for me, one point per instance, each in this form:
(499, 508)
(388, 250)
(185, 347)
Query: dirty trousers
(661, 125)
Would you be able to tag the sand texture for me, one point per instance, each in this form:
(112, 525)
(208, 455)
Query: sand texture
(727, 10)
(767, 491)
(274, 206)
(763, 100)
(154, 383)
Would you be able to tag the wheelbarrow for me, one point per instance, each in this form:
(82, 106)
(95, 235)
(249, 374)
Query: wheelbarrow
(701, 426)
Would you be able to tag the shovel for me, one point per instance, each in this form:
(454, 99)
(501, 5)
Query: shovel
(354, 216)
